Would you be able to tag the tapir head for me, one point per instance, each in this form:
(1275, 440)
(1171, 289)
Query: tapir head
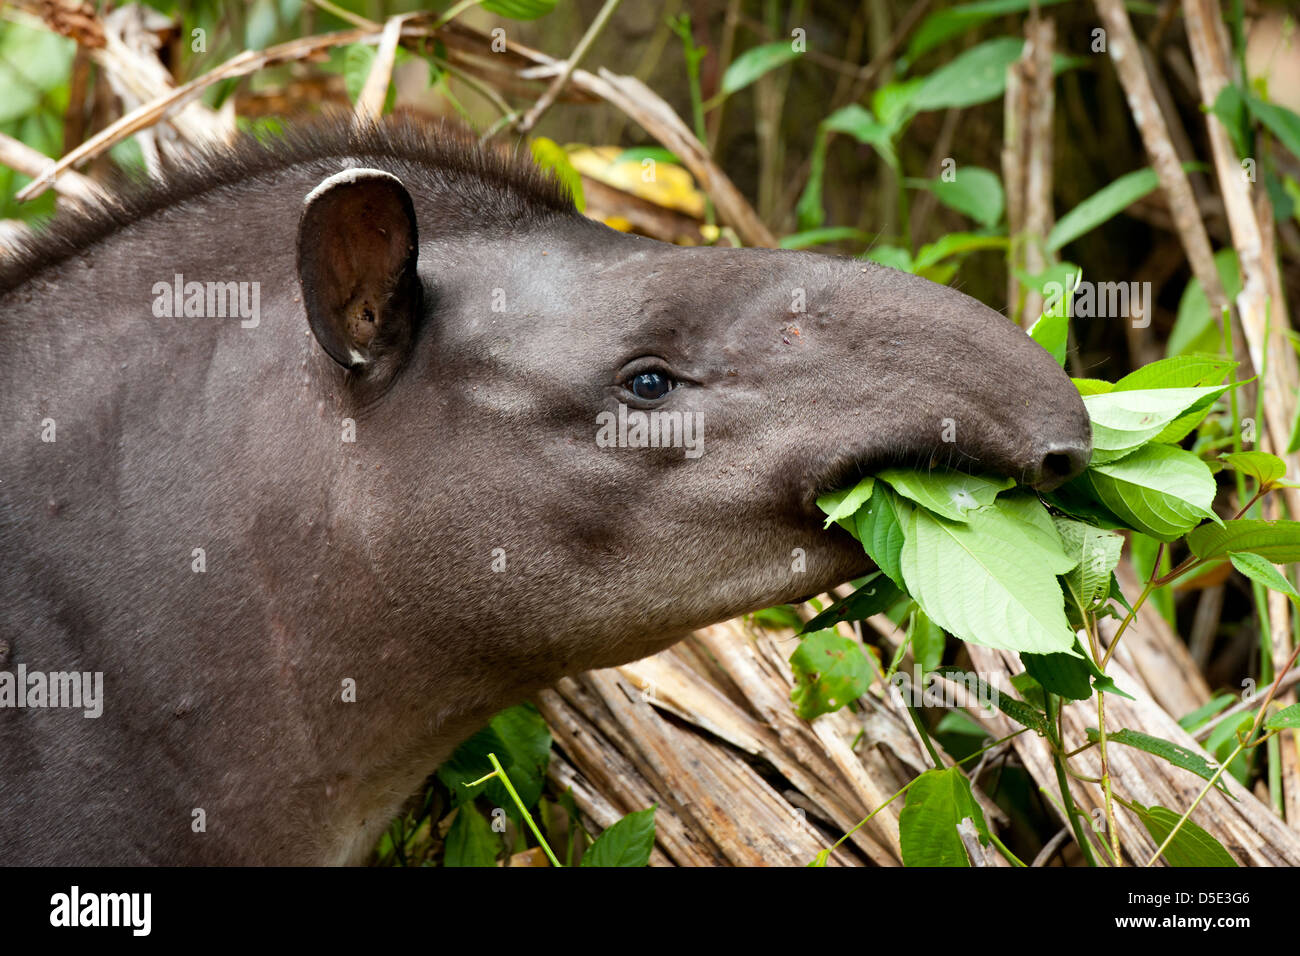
(513, 380)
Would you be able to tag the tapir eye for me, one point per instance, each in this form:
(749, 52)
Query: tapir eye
(651, 385)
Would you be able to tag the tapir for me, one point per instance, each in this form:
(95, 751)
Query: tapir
(320, 451)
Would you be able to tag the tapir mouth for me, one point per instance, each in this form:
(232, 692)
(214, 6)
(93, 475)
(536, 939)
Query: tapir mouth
(1055, 466)
(850, 467)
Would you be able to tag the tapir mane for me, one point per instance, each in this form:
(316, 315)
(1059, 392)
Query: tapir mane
(492, 185)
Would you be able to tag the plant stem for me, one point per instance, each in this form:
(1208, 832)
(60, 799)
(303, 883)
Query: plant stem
(1067, 799)
(510, 788)
(1107, 795)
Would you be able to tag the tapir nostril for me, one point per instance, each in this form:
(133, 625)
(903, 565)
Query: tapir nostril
(1058, 466)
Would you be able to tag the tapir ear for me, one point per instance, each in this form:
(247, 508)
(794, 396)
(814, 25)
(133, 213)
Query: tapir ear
(357, 248)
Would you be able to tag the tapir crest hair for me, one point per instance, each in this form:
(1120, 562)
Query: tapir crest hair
(494, 185)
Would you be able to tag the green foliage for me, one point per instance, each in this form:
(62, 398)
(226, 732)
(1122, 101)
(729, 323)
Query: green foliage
(953, 495)
(1288, 718)
(756, 62)
(876, 595)
(1102, 206)
(972, 191)
(553, 157)
(521, 740)
(830, 670)
(942, 25)
(1278, 541)
(628, 842)
(841, 505)
(470, 841)
(976, 76)
(1260, 569)
(927, 826)
(1266, 469)
(991, 581)
(1196, 329)
(519, 9)
(1175, 754)
(1191, 846)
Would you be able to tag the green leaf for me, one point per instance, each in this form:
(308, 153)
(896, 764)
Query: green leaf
(1230, 108)
(1260, 465)
(955, 21)
(952, 494)
(550, 155)
(928, 642)
(1278, 120)
(1196, 329)
(960, 722)
(1159, 490)
(519, 9)
(1192, 721)
(976, 76)
(1062, 674)
(892, 104)
(520, 739)
(991, 581)
(1181, 757)
(470, 841)
(1052, 332)
(937, 801)
(829, 671)
(876, 594)
(628, 842)
(809, 212)
(756, 62)
(1278, 541)
(357, 60)
(638, 153)
(1096, 552)
(1107, 202)
(1262, 570)
(973, 191)
(1092, 386)
(1180, 371)
(845, 507)
(1191, 846)
(865, 128)
(1124, 419)
(880, 529)
(893, 256)
(1019, 711)
(1288, 718)
(955, 244)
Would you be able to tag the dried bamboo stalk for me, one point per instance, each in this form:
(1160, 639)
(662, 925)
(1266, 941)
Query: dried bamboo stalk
(1122, 44)
(29, 162)
(1260, 303)
(370, 104)
(1036, 66)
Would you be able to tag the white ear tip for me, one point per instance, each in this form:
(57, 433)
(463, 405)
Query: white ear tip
(346, 178)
